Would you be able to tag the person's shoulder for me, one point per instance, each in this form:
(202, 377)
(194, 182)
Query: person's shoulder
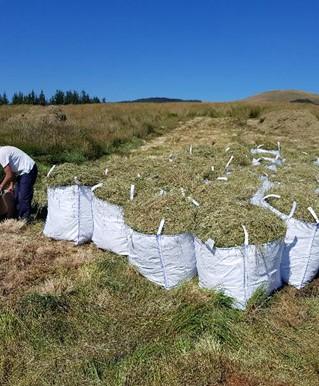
(4, 149)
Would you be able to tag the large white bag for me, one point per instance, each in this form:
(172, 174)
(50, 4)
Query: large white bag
(164, 260)
(300, 261)
(110, 231)
(69, 214)
(240, 271)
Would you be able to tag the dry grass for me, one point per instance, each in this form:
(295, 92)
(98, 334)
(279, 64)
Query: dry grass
(28, 258)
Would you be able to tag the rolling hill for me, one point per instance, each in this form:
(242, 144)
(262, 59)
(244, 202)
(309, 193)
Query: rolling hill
(162, 100)
(282, 96)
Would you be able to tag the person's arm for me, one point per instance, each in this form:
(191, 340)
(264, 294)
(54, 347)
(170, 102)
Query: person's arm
(8, 178)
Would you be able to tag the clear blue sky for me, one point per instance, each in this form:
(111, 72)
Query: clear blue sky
(212, 50)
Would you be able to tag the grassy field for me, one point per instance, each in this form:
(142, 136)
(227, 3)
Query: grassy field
(79, 316)
(79, 133)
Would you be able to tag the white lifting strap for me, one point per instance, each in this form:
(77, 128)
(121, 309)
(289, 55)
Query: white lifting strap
(229, 162)
(246, 242)
(96, 186)
(51, 170)
(271, 196)
(161, 226)
(293, 210)
(132, 192)
(313, 214)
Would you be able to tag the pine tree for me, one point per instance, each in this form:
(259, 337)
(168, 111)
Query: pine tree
(31, 98)
(41, 100)
(14, 99)
(18, 98)
(76, 98)
(85, 98)
(4, 98)
(68, 99)
(58, 98)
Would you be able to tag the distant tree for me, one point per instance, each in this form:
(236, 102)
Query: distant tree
(30, 99)
(68, 98)
(85, 98)
(58, 98)
(18, 98)
(3, 99)
(76, 97)
(14, 100)
(41, 100)
(95, 100)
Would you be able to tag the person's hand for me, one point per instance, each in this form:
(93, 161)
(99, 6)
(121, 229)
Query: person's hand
(11, 187)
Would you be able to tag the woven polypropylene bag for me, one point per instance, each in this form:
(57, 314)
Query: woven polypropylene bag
(110, 231)
(70, 214)
(239, 271)
(164, 260)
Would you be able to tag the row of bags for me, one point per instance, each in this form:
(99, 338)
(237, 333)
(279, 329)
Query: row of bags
(75, 214)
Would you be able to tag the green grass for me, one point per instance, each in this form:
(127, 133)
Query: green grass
(115, 328)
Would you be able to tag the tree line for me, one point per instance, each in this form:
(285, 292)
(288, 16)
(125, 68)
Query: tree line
(59, 98)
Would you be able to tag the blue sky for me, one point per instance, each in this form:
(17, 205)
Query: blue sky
(213, 50)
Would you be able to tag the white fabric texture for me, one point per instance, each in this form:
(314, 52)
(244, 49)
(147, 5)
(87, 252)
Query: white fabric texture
(300, 261)
(69, 214)
(164, 260)
(275, 153)
(110, 231)
(240, 271)
(19, 162)
(272, 162)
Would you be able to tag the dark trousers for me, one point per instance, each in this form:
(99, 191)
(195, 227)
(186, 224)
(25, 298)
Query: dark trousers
(24, 193)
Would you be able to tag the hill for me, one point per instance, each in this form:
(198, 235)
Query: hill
(284, 96)
(161, 100)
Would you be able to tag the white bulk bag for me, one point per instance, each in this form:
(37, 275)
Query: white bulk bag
(240, 271)
(69, 214)
(110, 231)
(164, 260)
(300, 262)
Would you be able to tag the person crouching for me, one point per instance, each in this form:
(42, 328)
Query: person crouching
(20, 176)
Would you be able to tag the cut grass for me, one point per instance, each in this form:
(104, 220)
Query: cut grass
(166, 182)
(102, 323)
(297, 181)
